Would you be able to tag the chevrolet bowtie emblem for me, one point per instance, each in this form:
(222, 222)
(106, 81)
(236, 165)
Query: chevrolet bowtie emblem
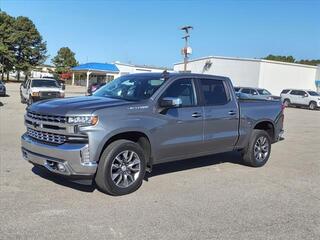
(35, 124)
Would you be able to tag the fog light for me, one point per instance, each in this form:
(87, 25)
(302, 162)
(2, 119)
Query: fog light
(85, 155)
(61, 167)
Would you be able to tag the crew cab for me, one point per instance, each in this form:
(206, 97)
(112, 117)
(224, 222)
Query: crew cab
(36, 89)
(296, 97)
(136, 121)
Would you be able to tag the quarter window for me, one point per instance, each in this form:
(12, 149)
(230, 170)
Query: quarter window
(183, 89)
(214, 92)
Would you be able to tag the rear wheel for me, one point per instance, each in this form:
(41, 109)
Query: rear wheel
(121, 168)
(312, 105)
(257, 153)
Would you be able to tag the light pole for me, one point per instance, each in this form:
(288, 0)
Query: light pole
(186, 51)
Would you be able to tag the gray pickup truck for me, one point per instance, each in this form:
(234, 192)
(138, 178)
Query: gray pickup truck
(139, 120)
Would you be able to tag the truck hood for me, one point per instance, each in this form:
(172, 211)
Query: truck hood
(75, 105)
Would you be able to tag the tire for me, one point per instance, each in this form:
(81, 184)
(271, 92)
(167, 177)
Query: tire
(286, 102)
(312, 106)
(114, 170)
(257, 153)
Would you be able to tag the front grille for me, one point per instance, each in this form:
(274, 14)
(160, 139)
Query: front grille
(49, 94)
(47, 118)
(46, 137)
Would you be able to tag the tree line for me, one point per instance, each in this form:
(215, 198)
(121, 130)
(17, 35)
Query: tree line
(291, 59)
(22, 48)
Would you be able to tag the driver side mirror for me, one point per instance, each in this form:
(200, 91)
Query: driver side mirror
(305, 95)
(63, 86)
(170, 102)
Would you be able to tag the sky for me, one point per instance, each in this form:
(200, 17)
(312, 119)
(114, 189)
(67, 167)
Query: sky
(147, 32)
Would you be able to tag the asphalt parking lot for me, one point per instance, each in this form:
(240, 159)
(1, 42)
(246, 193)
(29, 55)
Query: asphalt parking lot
(206, 198)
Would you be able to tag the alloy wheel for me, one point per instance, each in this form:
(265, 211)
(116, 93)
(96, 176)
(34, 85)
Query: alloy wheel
(125, 168)
(261, 149)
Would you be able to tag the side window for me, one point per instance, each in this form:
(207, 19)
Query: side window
(302, 93)
(285, 91)
(246, 90)
(214, 92)
(254, 92)
(294, 92)
(183, 89)
(236, 89)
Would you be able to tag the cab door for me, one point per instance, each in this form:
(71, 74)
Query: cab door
(221, 116)
(181, 132)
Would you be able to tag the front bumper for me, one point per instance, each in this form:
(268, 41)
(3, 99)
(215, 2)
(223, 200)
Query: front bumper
(62, 159)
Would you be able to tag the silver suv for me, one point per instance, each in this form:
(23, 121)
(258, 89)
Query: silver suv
(259, 93)
(294, 97)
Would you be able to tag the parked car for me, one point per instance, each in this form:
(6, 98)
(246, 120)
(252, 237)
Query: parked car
(140, 120)
(2, 89)
(94, 87)
(259, 93)
(296, 97)
(37, 89)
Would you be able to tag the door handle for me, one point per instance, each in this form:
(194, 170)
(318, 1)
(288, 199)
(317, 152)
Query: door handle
(196, 115)
(232, 112)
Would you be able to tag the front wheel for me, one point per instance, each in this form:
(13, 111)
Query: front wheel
(312, 106)
(257, 153)
(121, 168)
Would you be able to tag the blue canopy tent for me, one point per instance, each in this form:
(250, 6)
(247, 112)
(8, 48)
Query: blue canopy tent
(105, 69)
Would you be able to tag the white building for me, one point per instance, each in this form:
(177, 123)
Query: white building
(126, 68)
(88, 73)
(42, 71)
(272, 75)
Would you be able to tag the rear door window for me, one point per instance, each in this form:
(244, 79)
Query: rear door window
(294, 92)
(246, 90)
(254, 92)
(285, 91)
(214, 92)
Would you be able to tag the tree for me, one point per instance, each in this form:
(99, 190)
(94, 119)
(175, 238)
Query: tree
(64, 60)
(30, 49)
(7, 54)
(280, 58)
(291, 59)
(313, 62)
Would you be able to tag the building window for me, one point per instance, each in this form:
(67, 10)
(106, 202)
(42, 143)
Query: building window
(109, 78)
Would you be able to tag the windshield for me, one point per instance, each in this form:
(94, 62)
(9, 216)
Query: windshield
(131, 87)
(44, 83)
(312, 93)
(263, 92)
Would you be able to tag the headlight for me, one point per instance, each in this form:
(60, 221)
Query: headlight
(83, 120)
(35, 94)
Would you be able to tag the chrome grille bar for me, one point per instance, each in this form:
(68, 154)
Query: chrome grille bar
(47, 137)
(47, 118)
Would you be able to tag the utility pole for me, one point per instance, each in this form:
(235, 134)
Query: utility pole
(186, 51)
